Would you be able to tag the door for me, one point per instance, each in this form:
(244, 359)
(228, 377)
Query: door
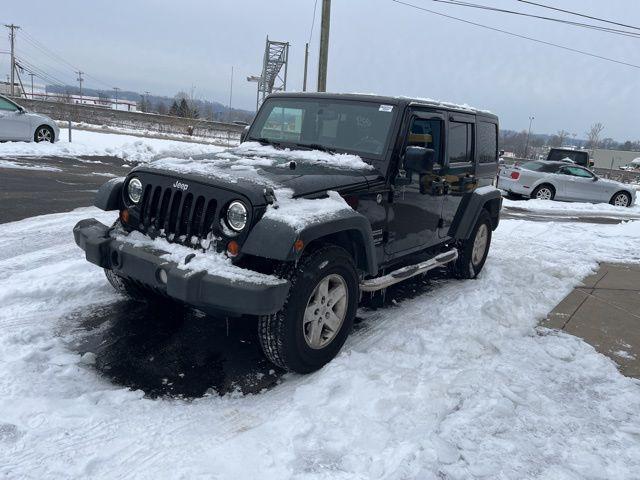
(580, 184)
(414, 214)
(14, 124)
(460, 166)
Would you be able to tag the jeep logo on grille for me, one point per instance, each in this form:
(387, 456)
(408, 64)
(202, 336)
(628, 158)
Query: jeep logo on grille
(180, 186)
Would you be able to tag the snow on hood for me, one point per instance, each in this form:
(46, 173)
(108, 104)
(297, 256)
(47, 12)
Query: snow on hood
(245, 161)
(301, 212)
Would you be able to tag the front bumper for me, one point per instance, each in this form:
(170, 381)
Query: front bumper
(211, 293)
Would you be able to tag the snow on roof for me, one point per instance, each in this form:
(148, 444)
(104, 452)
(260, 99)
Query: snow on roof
(431, 101)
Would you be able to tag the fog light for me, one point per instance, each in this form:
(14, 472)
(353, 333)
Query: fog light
(162, 276)
(233, 249)
(124, 215)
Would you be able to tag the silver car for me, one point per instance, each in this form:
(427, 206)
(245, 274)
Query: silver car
(546, 180)
(17, 124)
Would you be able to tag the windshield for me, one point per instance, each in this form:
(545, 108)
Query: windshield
(362, 128)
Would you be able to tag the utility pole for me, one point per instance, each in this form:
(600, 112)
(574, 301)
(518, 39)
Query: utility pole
(32, 75)
(12, 36)
(230, 96)
(115, 89)
(306, 64)
(324, 46)
(526, 149)
(80, 80)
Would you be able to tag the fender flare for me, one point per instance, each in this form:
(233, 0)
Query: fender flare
(275, 239)
(470, 208)
(109, 194)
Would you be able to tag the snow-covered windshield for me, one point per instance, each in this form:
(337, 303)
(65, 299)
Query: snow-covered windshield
(361, 128)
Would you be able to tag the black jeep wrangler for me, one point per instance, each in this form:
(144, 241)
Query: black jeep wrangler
(327, 198)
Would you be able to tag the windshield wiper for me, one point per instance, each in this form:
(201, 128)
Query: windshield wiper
(316, 146)
(267, 141)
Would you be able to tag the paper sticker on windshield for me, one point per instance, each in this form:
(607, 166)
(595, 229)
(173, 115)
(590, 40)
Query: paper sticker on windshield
(386, 108)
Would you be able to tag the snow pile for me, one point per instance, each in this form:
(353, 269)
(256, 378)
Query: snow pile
(221, 168)
(456, 383)
(576, 209)
(302, 212)
(212, 262)
(127, 147)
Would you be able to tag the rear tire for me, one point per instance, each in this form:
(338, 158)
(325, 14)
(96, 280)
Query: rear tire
(318, 315)
(472, 253)
(544, 192)
(43, 134)
(621, 199)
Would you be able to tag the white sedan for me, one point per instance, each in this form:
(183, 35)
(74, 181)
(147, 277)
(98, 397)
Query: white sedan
(17, 124)
(546, 180)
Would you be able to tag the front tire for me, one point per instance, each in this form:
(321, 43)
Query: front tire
(544, 192)
(318, 316)
(472, 253)
(621, 199)
(43, 134)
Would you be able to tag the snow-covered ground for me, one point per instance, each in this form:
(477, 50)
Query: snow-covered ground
(128, 147)
(456, 383)
(574, 209)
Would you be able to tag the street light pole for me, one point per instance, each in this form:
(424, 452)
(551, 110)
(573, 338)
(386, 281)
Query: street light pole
(526, 149)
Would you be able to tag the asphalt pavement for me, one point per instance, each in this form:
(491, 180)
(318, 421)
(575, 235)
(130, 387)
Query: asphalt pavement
(52, 184)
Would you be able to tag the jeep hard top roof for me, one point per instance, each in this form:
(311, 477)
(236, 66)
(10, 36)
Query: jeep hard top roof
(388, 100)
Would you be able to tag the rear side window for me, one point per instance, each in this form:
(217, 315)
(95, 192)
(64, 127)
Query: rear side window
(487, 142)
(460, 143)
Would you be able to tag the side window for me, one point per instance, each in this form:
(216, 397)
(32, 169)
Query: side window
(427, 134)
(460, 142)
(487, 142)
(577, 172)
(283, 124)
(7, 105)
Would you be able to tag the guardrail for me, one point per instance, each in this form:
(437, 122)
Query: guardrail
(165, 124)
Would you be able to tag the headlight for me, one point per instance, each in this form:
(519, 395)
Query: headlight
(237, 215)
(135, 190)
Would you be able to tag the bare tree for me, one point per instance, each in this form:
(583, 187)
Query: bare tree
(593, 135)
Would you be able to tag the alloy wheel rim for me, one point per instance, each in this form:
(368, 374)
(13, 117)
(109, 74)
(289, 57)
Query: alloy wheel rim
(325, 312)
(44, 135)
(544, 194)
(480, 244)
(621, 200)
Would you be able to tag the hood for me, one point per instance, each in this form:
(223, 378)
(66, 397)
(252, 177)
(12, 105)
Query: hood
(249, 169)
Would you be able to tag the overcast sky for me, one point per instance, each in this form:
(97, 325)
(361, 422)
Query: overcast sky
(376, 46)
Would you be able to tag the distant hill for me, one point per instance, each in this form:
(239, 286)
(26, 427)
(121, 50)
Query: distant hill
(209, 110)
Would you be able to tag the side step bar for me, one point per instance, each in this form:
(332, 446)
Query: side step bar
(378, 283)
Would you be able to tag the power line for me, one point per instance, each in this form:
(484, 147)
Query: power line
(578, 14)
(591, 26)
(506, 32)
(47, 51)
(313, 22)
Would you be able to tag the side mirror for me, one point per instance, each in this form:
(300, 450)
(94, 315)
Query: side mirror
(21, 110)
(595, 179)
(419, 159)
(243, 135)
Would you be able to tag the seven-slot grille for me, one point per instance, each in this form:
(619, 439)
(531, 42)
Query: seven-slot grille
(179, 216)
